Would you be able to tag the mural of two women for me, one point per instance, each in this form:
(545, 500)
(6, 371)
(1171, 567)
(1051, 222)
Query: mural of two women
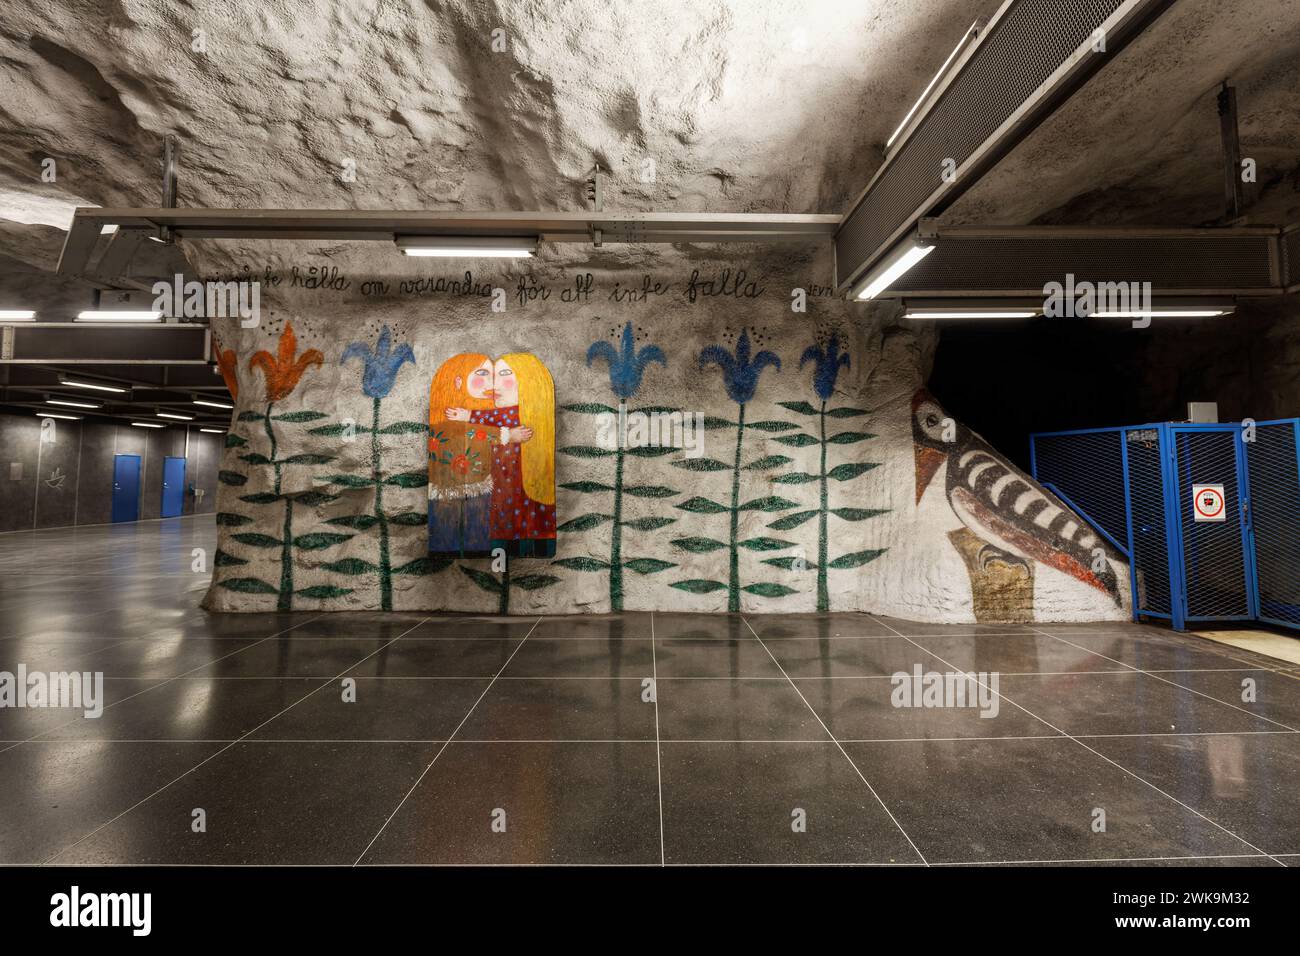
(492, 457)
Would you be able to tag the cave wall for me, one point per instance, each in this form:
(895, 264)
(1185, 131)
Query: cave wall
(886, 539)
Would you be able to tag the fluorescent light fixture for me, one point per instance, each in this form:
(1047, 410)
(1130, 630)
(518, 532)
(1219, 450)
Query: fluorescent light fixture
(1157, 312)
(890, 269)
(175, 415)
(971, 308)
(98, 386)
(108, 228)
(71, 418)
(118, 315)
(148, 425)
(969, 315)
(943, 71)
(213, 431)
(71, 404)
(211, 404)
(17, 315)
(468, 247)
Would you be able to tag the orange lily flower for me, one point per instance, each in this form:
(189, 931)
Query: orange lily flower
(227, 363)
(282, 370)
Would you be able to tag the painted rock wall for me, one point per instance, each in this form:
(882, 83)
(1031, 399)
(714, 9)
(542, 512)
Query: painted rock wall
(847, 488)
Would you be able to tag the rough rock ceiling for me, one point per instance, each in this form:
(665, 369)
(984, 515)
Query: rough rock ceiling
(743, 105)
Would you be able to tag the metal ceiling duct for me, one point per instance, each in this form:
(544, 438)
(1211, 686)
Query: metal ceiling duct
(1030, 57)
(1012, 261)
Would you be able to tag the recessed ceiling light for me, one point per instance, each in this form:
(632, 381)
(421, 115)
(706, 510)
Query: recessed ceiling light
(148, 425)
(468, 247)
(17, 315)
(118, 315)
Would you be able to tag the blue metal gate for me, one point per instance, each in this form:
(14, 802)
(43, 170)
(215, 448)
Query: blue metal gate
(1142, 487)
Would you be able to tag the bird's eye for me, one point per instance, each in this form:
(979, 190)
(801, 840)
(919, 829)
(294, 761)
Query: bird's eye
(932, 420)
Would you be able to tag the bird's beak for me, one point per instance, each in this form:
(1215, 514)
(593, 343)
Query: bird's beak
(928, 461)
(490, 393)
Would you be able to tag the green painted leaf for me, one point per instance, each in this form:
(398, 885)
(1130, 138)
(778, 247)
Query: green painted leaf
(794, 478)
(248, 586)
(423, 566)
(257, 540)
(846, 412)
(488, 582)
(713, 423)
(253, 458)
(251, 417)
(858, 514)
(228, 520)
(584, 522)
(319, 540)
(359, 522)
(803, 408)
(299, 417)
(310, 499)
(351, 566)
(848, 438)
(698, 545)
(409, 519)
(307, 459)
(224, 559)
(408, 479)
(702, 506)
(586, 486)
(855, 560)
(262, 498)
(770, 503)
(648, 565)
(323, 591)
(586, 451)
(236, 441)
(768, 590)
(700, 464)
(350, 481)
(656, 410)
(796, 441)
(770, 426)
(589, 408)
(649, 491)
(337, 429)
(698, 586)
(405, 428)
(533, 582)
(582, 564)
(792, 521)
(648, 524)
(766, 462)
(853, 470)
(788, 563)
(231, 478)
(651, 451)
(765, 544)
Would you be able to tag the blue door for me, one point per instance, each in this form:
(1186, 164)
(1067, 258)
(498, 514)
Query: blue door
(173, 489)
(126, 487)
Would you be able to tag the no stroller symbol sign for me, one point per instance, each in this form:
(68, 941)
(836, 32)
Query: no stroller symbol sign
(1207, 502)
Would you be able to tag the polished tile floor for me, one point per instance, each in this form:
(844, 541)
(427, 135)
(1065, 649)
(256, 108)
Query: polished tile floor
(638, 739)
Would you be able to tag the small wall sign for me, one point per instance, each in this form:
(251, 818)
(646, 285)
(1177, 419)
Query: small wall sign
(1208, 503)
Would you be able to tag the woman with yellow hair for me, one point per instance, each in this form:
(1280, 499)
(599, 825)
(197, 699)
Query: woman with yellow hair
(523, 460)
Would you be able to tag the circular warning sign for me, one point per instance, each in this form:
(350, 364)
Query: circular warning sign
(1207, 502)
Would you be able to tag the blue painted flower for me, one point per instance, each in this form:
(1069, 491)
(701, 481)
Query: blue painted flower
(828, 362)
(739, 372)
(627, 365)
(381, 364)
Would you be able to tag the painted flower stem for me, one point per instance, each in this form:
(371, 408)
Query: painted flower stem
(285, 600)
(733, 581)
(823, 594)
(616, 535)
(376, 462)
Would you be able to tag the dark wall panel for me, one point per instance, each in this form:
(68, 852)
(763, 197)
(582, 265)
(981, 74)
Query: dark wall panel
(95, 484)
(57, 476)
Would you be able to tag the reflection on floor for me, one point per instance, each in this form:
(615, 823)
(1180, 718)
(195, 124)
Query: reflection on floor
(640, 739)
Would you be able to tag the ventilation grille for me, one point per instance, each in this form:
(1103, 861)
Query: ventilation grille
(1023, 49)
(1024, 264)
(1291, 258)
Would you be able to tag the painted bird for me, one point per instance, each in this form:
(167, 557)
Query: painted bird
(1018, 520)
